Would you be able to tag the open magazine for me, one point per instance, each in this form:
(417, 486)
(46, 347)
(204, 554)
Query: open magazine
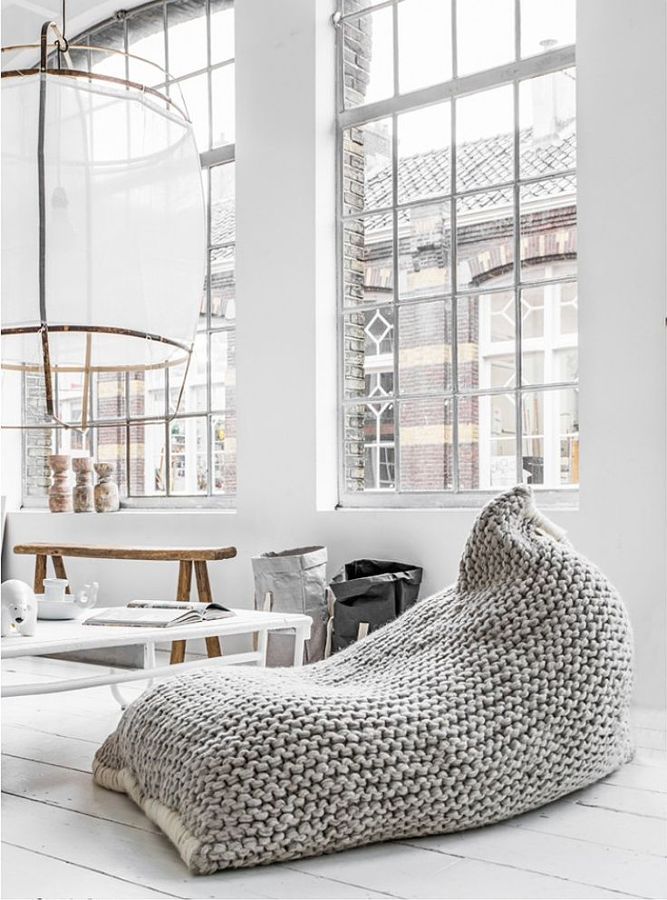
(159, 614)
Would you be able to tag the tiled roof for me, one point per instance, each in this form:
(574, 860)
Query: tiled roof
(479, 163)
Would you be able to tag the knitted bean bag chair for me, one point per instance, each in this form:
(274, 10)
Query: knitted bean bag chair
(499, 694)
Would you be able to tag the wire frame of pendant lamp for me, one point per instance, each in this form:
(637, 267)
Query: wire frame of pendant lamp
(103, 226)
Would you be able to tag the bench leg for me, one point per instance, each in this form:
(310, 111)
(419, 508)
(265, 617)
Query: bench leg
(59, 569)
(213, 647)
(182, 593)
(40, 573)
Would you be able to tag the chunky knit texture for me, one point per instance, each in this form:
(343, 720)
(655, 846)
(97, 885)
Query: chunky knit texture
(499, 694)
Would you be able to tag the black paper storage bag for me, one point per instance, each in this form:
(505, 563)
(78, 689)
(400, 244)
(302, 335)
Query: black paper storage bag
(367, 594)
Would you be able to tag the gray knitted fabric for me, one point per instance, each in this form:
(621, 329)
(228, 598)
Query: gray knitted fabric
(499, 694)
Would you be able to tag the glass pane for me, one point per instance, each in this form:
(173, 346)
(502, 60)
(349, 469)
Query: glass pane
(113, 37)
(108, 395)
(367, 167)
(188, 466)
(148, 474)
(549, 228)
(368, 57)
(223, 370)
(70, 441)
(186, 36)
(195, 97)
(223, 285)
(426, 445)
(38, 444)
(485, 239)
(369, 352)
(145, 37)
(546, 24)
(424, 251)
(368, 263)
(80, 58)
(549, 354)
(34, 397)
(425, 352)
(485, 30)
(369, 447)
(223, 452)
(223, 218)
(224, 106)
(485, 138)
(547, 124)
(568, 313)
(110, 447)
(69, 396)
(424, 43)
(487, 441)
(486, 341)
(195, 394)
(424, 156)
(222, 30)
(550, 452)
(148, 393)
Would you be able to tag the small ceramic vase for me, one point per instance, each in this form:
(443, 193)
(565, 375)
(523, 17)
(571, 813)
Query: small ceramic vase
(106, 490)
(82, 495)
(60, 495)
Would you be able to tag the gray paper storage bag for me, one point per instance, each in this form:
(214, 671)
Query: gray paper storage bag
(293, 581)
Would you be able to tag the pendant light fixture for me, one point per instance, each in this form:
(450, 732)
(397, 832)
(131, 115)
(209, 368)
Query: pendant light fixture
(103, 224)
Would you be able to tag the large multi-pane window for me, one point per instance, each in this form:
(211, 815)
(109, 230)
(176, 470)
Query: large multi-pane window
(157, 456)
(457, 237)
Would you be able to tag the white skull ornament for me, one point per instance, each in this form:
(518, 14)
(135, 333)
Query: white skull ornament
(19, 609)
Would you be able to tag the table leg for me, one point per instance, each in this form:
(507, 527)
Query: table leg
(59, 569)
(205, 596)
(40, 573)
(149, 663)
(182, 593)
(261, 639)
(299, 644)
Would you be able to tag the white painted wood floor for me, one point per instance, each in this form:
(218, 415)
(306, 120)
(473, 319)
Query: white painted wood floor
(65, 838)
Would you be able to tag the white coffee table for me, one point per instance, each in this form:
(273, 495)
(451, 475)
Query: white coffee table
(67, 637)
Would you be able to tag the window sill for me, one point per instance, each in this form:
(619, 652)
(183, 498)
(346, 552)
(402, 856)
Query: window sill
(126, 511)
(555, 501)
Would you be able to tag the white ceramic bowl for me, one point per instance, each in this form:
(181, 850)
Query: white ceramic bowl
(57, 609)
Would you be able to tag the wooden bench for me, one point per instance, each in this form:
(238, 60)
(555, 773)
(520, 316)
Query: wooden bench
(186, 557)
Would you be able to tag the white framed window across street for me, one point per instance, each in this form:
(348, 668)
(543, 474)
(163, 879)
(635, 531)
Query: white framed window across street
(457, 250)
(190, 459)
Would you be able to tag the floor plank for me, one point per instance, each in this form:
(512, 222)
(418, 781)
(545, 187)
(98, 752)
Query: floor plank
(645, 717)
(149, 859)
(650, 738)
(69, 789)
(411, 871)
(602, 867)
(26, 875)
(26, 743)
(623, 799)
(648, 778)
(608, 828)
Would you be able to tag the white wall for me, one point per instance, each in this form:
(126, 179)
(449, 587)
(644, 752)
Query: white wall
(285, 290)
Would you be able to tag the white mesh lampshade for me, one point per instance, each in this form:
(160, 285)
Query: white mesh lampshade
(123, 241)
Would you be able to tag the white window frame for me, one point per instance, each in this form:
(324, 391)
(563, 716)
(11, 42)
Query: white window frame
(507, 74)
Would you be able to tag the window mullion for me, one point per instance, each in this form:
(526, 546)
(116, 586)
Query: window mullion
(395, 265)
(453, 265)
(518, 354)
